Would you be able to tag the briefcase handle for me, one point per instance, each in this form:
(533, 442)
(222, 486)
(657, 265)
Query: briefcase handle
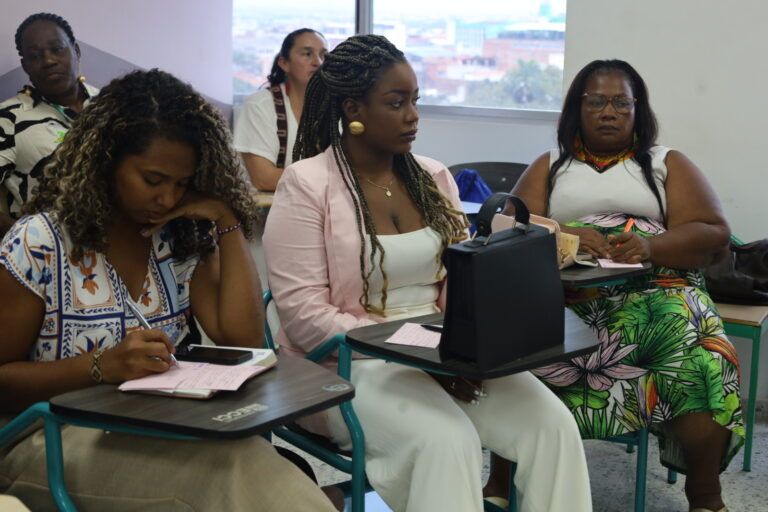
(493, 205)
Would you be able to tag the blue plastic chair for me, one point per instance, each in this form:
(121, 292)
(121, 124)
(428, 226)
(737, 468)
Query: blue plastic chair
(351, 463)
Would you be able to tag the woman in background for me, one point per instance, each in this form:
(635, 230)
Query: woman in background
(34, 122)
(266, 127)
(144, 201)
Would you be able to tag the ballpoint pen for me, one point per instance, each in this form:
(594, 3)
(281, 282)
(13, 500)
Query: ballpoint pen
(142, 320)
(432, 327)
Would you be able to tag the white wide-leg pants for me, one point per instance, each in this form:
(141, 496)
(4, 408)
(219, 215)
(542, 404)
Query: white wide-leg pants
(423, 447)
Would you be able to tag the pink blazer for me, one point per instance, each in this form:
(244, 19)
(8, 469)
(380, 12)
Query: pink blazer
(312, 248)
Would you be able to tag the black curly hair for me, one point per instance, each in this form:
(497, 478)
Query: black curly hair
(43, 16)
(124, 119)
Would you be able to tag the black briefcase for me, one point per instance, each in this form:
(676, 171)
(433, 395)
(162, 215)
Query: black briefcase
(505, 299)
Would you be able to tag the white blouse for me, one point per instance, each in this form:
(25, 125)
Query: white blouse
(580, 190)
(413, 273)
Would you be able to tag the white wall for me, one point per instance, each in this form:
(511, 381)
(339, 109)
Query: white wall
(190, 38)
(514, 138)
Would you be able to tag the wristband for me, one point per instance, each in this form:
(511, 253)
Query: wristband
(96, 374)
(230, 229)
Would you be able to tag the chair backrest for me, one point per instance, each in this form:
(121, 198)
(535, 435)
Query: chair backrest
(500, 176)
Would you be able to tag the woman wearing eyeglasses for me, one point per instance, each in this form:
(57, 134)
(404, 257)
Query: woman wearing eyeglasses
(664, 360)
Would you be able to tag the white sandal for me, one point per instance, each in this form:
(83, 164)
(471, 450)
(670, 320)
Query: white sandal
(498, 501)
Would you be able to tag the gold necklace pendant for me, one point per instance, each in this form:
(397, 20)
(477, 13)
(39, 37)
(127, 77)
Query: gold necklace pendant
(385, 188)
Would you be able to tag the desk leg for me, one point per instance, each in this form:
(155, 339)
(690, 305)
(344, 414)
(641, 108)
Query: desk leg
(355, 432)
(54, 461)
(753, 378)
(642, 467)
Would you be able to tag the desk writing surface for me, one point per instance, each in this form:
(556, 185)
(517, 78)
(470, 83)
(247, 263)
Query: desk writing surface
(293, 388)
(579, 275)
(370, 340)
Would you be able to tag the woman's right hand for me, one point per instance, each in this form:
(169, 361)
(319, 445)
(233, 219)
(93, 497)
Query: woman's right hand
(141, 353)
(590, 241)
(466, 390)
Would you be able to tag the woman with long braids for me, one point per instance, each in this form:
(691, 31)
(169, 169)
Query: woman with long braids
(355, 238)
(33, 123)
(265, 131)
(145, 201)
(664, 361)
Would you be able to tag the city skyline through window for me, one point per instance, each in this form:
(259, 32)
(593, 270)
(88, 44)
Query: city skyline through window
(491, 53)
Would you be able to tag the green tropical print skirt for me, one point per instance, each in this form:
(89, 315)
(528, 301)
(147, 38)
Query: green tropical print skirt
(663, 353)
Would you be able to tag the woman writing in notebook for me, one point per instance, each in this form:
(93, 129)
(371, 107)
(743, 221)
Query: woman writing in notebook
(144, 202)
(355, 238)
(665, 362)
(266, 127)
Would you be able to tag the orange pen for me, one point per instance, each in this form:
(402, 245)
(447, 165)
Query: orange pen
(628, 227)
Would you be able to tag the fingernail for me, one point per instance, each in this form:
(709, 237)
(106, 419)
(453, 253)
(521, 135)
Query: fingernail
(483, 393)
(477, 392)
(475, 402)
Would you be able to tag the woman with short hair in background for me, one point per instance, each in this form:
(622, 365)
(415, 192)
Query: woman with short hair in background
(34, 122)
(266, 127)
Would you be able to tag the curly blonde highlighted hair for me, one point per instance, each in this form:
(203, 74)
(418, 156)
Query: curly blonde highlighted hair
(130, 112)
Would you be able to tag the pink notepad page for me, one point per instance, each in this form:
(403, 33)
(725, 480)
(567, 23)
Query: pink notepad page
(415, 335)
(195, 376)
(607, 263)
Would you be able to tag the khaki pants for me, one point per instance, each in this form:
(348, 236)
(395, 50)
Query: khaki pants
(121, 472)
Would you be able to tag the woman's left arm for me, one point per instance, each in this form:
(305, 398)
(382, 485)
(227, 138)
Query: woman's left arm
(697, 232)
(226, 291)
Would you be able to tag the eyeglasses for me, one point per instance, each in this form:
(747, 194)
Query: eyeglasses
(597, 102)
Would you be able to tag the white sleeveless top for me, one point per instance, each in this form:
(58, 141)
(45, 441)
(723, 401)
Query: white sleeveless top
(580, 190)
(411, 265)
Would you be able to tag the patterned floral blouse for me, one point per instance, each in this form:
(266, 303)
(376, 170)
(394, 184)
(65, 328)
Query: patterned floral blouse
(84, 300)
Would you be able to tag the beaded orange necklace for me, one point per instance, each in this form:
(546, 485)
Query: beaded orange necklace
(600, 163)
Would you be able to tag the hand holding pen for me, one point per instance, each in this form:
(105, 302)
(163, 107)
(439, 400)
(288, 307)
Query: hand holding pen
(145, 325)
(629, 247)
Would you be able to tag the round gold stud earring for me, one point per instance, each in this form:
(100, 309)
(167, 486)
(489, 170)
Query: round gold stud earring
(356, 128)
(81, 79)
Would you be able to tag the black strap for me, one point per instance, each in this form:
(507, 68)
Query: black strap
(493, 205)
(282, 124)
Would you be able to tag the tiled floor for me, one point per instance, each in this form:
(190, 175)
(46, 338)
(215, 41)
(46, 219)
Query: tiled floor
(612, 472)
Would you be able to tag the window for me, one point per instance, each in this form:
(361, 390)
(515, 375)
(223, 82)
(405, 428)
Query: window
(482, 53)
(259, 27)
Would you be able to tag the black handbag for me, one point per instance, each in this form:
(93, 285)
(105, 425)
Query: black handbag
(504, 298)
(742, 277)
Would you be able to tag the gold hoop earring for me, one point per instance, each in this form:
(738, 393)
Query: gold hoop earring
(356, 128)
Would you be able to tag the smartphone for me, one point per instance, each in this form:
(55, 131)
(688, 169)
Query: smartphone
(216, 355)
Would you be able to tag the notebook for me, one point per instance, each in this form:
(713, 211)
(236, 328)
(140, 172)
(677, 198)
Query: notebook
(202, 380)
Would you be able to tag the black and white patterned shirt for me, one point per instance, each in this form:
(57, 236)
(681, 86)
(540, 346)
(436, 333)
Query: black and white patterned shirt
(31, 128)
